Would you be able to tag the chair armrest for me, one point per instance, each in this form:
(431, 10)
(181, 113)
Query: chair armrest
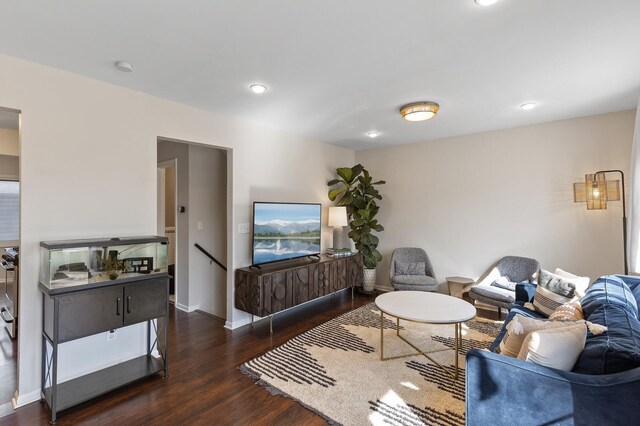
(525, 292)
(507, 390)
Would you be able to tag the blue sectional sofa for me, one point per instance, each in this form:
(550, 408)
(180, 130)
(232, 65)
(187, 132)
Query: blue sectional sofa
(602, 389)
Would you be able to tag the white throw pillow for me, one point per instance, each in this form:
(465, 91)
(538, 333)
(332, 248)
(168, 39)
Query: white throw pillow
(581, 283)
(557, 348)
(518, 329)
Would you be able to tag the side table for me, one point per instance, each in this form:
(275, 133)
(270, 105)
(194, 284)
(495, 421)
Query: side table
(458, 285)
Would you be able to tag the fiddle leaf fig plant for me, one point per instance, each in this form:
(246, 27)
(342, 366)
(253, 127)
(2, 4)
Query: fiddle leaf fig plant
(355, 189)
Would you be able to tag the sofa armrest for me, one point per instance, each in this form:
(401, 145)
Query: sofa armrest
(502, 391)
(631, 280)
(525, 292)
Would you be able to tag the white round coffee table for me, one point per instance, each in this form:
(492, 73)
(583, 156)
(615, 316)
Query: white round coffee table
(428, 308)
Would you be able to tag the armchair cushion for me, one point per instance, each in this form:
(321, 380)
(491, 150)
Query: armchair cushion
(410, 268)
(414, 280)
(494, 293)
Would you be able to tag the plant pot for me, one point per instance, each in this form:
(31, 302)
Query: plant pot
(369, 282)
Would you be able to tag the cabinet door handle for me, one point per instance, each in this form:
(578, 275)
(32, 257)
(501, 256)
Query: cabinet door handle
(118, 300)
(128, 304)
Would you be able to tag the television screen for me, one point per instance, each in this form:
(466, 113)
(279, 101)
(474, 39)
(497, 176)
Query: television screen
(284, 231)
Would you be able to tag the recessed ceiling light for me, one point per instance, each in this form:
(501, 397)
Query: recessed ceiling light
(419, 111)
(373, 134)
(529, 106)
(258, 88)
(124, 66)
(486, 2)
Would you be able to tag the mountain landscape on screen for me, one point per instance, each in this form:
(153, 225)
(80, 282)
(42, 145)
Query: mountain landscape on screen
(285, 231)
(280, 227)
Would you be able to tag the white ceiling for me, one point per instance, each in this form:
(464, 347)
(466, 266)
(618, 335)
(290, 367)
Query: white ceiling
(337, 69)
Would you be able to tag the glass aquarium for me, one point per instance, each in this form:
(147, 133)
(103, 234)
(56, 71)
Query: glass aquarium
(78, 262)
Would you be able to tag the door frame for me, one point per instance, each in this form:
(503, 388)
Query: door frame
(162, 166)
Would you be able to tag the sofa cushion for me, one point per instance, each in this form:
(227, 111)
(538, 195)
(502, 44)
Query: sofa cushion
(610, 290)
(616, 350)
(633, 282)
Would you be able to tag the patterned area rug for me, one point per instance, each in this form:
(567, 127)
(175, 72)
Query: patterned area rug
(335, 370)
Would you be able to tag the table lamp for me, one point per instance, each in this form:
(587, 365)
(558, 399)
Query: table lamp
(338, 219)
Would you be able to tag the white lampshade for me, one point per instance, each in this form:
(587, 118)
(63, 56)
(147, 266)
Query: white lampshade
(337, 216)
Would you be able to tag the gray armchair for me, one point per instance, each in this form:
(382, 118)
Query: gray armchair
(516, 269)
(411, 269)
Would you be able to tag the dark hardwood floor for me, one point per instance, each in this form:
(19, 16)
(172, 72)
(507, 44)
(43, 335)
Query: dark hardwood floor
(204, 384)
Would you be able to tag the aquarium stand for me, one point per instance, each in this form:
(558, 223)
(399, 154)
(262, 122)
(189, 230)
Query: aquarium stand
(275, 288)
(84, 311)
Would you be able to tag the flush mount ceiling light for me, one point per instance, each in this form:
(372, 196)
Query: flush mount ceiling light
(419, 111)
(528, 106)
(373, 134)
(486, 2)
(124, 66)
(258, 88)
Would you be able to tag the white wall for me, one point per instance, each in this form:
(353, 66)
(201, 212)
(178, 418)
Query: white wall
(208, 204)
(9, 144)
(98, 142)
(472, 199)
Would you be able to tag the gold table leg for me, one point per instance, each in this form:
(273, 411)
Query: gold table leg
(457, 344)
(381, 336)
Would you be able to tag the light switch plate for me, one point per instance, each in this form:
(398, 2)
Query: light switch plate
(243, 228)
(199, 225)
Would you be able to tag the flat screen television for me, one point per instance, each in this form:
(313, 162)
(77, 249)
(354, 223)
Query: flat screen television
(283, 231)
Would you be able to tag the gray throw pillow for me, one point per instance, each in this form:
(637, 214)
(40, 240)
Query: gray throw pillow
(410, 268)
(552, 291)
(504, 282)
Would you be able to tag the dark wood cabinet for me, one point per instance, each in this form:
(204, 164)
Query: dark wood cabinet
(85, 313)
(274, 288)
(143, 301)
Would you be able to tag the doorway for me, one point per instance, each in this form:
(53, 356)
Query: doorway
(9, 254)
(192, 195)
(167, 206)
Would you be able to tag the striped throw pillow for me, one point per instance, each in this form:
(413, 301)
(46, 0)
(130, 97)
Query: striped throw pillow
(552, 291)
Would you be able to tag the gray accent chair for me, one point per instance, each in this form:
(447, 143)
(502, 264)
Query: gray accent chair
(517, 269)
(426, 281)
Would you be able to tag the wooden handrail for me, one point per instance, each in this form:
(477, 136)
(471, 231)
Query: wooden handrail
(213, 259)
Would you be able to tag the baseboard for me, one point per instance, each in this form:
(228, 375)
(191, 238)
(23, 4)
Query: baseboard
(232, 325)
(185, 308)
(21, 400)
